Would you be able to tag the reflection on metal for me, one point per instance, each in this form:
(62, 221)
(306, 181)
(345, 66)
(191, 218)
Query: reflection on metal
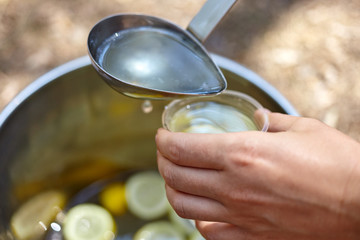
(208, 17)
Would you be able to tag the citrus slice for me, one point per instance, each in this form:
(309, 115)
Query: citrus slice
(145, 195)
(113, 198)
(33, 218)
(88, 221)
(185, 225)
(160, 230)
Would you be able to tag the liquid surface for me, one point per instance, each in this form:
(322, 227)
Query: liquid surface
(156, 59)
(210, 117)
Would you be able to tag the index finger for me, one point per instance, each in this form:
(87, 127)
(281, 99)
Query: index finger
(192, 149)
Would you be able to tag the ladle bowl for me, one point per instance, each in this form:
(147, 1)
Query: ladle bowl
(148, 57)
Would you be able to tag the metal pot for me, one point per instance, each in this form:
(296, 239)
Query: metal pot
(70, 119)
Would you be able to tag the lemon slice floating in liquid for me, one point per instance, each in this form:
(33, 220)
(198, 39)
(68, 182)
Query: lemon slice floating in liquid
(160, 230)
(88, 221)
(113, 198)
(145, 195)
(33, 217)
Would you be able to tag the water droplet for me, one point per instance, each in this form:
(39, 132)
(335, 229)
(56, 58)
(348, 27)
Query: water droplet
(147, 106)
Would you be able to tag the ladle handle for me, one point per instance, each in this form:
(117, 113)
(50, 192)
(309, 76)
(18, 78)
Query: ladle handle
(208, 17)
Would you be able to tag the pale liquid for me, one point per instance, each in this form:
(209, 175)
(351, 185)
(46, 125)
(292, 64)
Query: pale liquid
(156, 59)
(210, 117)
(126, 224)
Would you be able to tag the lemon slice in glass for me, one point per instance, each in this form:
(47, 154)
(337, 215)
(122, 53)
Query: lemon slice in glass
(145, 195)
(88, 221)
(160, 230)
(33, 218)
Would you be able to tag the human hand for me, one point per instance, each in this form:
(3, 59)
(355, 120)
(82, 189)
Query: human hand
(300, 180)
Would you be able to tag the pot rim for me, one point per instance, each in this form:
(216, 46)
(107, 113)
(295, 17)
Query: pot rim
(84, 61)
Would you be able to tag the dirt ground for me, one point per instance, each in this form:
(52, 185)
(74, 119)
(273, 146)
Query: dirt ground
(309, 50)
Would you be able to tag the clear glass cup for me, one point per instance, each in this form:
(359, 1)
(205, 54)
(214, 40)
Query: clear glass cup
(230, 111)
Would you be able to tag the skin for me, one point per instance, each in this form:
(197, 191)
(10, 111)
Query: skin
(299, 180)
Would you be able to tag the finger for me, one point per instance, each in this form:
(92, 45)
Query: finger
(224, 231)
(195, 207)
(195, 181)
(254, 224)
(281, 122)
(191, 149)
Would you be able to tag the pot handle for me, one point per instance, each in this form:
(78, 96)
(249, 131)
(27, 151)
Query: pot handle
(208, 17)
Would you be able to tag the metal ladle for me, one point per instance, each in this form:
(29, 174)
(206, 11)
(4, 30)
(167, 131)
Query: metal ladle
(147, 57)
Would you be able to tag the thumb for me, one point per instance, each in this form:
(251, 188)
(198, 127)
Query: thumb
(279, 122)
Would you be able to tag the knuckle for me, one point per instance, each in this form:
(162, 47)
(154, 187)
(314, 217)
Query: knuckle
(168, 175)
(175, 153)
(178, 149)
(179, 208)
(244, 154)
